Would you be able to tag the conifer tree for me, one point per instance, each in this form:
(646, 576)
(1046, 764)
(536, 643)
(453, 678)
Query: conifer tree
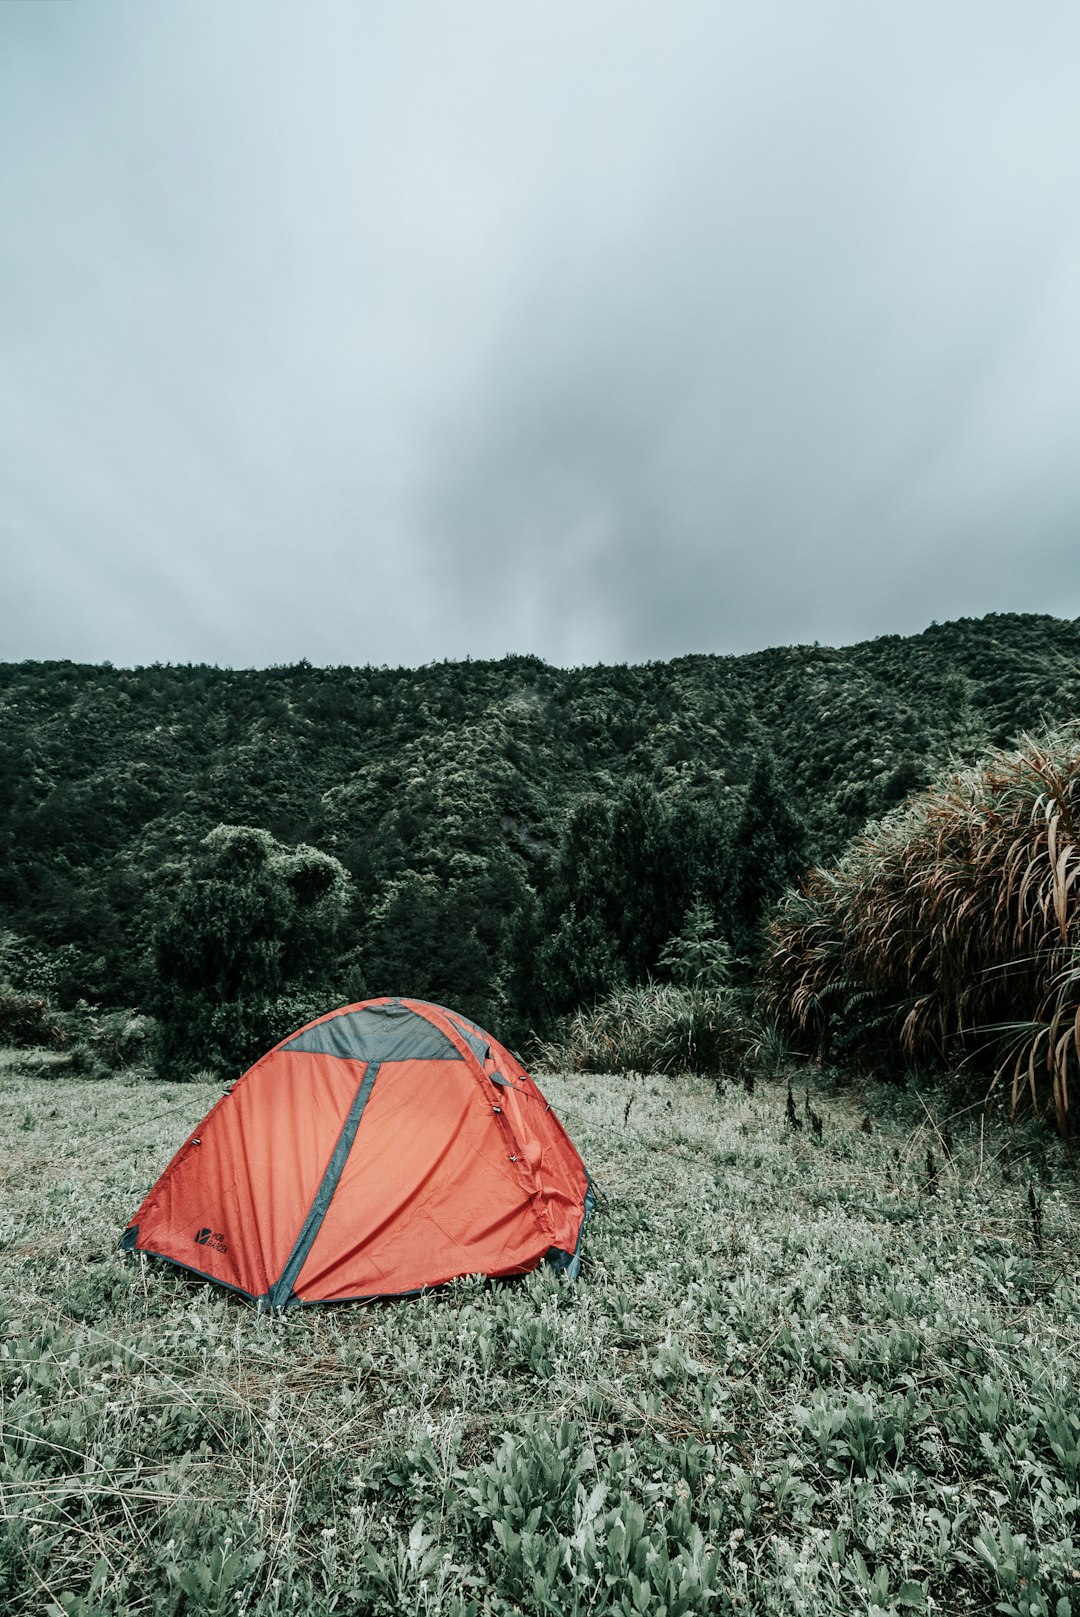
(769, 851)
(697, 957)
(576, 949)
(644, 895)
(616, 897)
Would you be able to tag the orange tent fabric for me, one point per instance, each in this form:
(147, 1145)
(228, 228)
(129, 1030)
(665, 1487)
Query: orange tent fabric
(384, 1148)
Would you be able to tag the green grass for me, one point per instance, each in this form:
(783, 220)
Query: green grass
(799, 1373)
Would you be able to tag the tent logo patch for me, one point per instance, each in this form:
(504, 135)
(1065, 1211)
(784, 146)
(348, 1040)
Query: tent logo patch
(211, 1238)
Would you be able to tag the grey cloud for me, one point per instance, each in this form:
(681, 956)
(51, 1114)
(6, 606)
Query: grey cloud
(609, 332)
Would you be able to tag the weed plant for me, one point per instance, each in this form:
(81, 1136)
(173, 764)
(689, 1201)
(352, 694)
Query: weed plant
(788, 1381)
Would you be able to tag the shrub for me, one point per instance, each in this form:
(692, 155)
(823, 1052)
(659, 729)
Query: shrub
(26, 1019)
(117, 1040)
(952, 927)
(43, 972)
(656, 1028)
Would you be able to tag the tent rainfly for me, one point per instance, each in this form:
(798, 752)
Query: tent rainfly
(387, 1147)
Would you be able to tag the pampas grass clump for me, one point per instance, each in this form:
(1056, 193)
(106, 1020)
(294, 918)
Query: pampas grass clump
(952, 927)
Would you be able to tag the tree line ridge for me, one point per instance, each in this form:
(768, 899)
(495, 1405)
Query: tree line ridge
(505, 836)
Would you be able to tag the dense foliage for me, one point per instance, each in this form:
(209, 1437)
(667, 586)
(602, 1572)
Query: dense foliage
(248, 946)
(519, 839)
(952, 925)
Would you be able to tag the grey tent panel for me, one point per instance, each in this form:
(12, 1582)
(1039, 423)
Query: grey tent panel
(377, 1033)
(474, 1037)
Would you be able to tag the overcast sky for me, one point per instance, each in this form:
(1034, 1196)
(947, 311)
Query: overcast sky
(601, 330)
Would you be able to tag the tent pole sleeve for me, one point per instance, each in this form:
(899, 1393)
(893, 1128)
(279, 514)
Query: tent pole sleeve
(281, 1291)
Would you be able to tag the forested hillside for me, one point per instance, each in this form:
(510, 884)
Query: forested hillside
(481, 811)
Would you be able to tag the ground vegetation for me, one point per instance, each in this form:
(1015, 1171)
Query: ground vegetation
(819, 1367)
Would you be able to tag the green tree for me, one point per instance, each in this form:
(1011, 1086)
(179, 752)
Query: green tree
(645, 901)
(699, 859)
(570, 955)
(769, 851)
(248, 948)
(697, 957)
(440, 940)
(614, 899)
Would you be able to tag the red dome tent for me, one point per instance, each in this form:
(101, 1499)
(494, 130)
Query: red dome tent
(386, 1147)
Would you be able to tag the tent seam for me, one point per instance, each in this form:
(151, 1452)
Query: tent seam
(279, 1294)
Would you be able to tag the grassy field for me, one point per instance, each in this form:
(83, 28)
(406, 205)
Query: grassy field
(802, 1372)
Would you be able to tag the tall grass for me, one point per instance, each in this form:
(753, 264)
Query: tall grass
(952, 927)
(658, 1027)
